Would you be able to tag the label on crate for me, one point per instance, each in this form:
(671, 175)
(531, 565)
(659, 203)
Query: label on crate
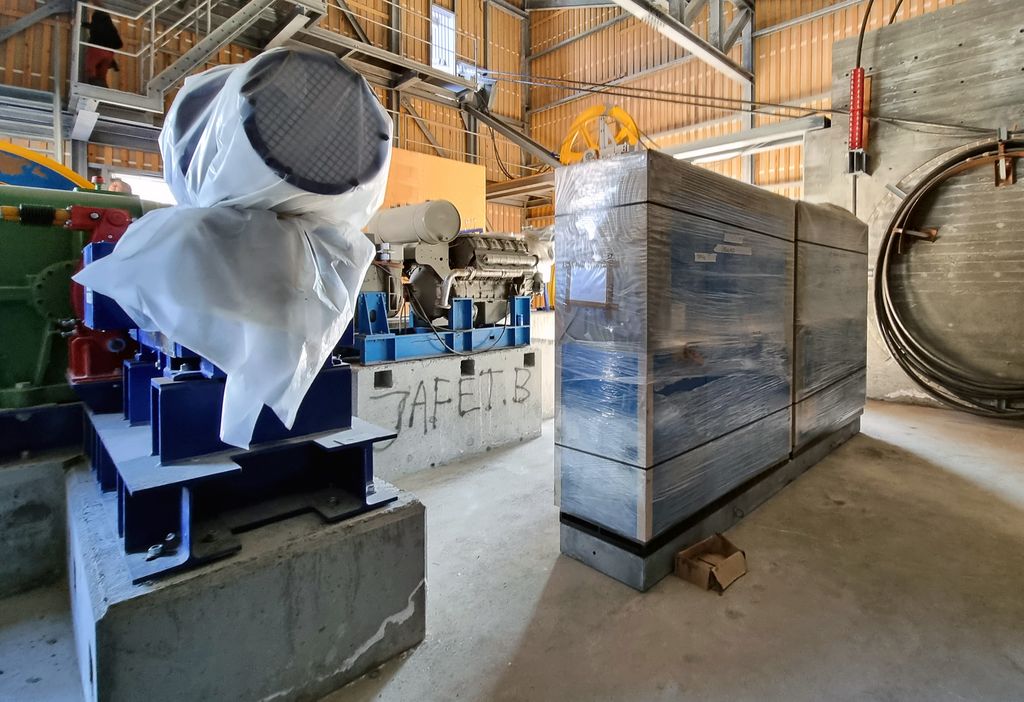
(700, 257)
(739, 250)
(732, 238)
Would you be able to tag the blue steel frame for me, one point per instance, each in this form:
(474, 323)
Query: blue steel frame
(376, 343)
(182, 494)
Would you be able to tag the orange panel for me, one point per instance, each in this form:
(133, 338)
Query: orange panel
(416, 177)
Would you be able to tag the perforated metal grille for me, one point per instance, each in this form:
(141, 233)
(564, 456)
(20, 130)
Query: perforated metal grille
(315, 123)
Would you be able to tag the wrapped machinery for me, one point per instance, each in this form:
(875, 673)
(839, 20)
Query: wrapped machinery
(235, 409)
(696, 318)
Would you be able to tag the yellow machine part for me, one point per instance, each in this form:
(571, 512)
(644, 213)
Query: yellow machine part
(28, 168)
(585, 133)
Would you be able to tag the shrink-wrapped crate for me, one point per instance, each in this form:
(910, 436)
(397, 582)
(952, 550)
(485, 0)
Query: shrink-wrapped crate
(830, 320)
(675, 329)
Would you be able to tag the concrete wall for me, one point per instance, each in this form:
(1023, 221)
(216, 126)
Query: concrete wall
(31, 522)
(448, 407)
(542, 336)
(960, 66)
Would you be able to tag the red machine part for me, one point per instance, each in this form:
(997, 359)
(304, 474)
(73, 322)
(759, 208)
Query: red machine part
(95, 355)
(857, 109)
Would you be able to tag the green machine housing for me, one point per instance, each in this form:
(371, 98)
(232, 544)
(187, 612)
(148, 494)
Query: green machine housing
(39, 252)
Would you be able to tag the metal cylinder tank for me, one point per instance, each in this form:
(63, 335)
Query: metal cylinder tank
(431, 222)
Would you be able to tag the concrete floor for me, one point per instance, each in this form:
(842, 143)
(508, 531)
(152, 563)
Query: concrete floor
(37, 648)
(891, 571)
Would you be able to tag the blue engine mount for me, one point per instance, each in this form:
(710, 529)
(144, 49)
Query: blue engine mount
(376, 342)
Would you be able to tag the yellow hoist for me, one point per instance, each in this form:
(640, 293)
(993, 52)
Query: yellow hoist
(599, 132)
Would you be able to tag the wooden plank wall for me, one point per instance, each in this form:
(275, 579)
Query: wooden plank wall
(793, 64)
(26, 59)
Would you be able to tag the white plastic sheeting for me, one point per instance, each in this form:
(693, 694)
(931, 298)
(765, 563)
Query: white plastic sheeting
(277, 164)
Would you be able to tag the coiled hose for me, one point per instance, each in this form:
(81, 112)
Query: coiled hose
(935, 374)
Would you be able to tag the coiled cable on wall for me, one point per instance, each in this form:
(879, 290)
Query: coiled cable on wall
(927, 367)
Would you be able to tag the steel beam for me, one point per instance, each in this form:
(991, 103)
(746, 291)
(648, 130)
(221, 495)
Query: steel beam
(524, 69)
(515, 191)
(735, 30)
(749, 169)
(425, 128)
(218, 38)
(472, 137)
(80, 158)
(353, 21)
(615, 83)
(714, 23)
(823, 12)
(120, 98)
(394, 95)
(407, 79)
(297, 20)
(693, 9)
(532, 5)
(472, 107)
(749, 141)
(674, 29)
(689, 15)
(576, 37)
(26, 113)
(393, 62)
(508, 7)
(126, 136)
(487, 34)
(58, 117)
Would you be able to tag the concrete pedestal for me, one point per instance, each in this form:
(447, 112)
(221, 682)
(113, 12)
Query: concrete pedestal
(304, 608)
(448, 407)
(32, 520)
(641, 567)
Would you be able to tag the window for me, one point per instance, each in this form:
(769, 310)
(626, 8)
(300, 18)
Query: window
(442, 38)
(588, 285)
(147, 187)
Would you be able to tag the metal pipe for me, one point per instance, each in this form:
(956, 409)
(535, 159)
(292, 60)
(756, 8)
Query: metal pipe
(472, 274)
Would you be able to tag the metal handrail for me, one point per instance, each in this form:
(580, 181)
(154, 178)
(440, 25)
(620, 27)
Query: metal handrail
(355, 9)
(153, 39)
(147, 48)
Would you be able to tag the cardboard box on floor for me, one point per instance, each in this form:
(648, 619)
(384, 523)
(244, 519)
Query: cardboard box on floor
(712, 564)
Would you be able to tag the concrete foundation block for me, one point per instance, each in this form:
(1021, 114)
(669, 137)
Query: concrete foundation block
(304, 608)
(32, 521)
(448, 407)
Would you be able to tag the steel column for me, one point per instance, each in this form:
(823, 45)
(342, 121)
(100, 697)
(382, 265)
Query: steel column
(715, 23)
(747, 37)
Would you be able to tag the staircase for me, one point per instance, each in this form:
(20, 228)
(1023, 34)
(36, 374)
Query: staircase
(166, 41)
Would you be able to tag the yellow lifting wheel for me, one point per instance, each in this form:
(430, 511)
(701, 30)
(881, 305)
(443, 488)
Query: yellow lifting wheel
(599, 132)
